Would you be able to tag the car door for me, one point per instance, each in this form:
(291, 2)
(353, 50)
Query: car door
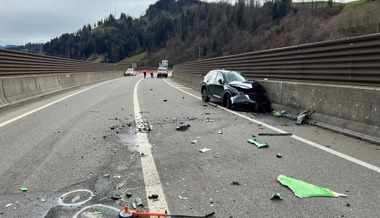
(218, 86)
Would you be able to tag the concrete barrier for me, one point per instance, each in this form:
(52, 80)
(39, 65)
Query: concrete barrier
(17, 89)
(348, 107)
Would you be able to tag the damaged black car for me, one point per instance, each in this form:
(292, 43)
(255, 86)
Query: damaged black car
(234, 91)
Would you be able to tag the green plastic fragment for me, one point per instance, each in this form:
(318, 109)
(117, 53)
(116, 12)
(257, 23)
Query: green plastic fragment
(257, 143)
(98, 212)
(203, 150)
(276, 196)
(43, 200)
(24, 189)
(134, 205)
(302, 189)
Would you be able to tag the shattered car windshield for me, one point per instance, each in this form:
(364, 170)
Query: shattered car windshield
(234, 76)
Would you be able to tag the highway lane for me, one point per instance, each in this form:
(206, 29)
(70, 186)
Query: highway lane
(72, 144)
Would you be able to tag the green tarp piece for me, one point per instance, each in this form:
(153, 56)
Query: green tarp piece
(303, 189)
(43, 200)
(24, 189)
(96, 213)
(257, 143)
(276, 113)
(276, 196)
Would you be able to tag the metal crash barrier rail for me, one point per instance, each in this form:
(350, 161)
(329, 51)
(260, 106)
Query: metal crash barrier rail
(13, 63)
(351, 61)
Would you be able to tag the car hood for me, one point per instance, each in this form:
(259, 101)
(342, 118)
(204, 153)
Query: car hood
(242, 85)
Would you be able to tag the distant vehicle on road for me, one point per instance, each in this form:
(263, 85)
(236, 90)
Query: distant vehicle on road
(162, 72)
(233, 90)
(130, 72)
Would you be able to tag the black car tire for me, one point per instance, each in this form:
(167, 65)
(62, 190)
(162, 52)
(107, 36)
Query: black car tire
(228, 101)
(205, 97)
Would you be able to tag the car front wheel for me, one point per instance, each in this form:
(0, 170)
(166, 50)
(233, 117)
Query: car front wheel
(228, 101)
(205, 97)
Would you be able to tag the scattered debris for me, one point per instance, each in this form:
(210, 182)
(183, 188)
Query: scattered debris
(275, 134)
(183, 127)
(128, 194)
(96, 213)
(303, 116)
(209, 121)
(220, 132)
(154, 196)
(143, 155)
(182, 198)
(165, 100)
(194, 141)
(8, 205)
(24, 189)
(279, 155)
(203, 150)
(134, 205)
(276, 196)
(279, 114)
(302, 189)
(143, 127)
(107, 175)
(257, 143)
(235, 183)
(126, 213)
(139, 202)
(115, 196)
(116, 177)
(43, 200)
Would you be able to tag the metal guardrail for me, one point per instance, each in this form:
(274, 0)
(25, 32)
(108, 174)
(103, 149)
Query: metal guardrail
(13, 63)
(351, 61)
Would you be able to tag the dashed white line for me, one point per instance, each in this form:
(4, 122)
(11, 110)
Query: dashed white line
(151, 179)
(316, 145)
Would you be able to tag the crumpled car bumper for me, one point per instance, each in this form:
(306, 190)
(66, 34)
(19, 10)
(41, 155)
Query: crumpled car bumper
(241, 100)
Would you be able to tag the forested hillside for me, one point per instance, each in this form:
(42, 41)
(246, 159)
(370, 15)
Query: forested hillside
(186, 30)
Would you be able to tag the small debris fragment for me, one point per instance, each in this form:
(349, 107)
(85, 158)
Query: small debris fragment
(43, 200)
(8, 205)
(235, 183)
(183, 127)
(165, 100)
(348, 204)
(24, 189)
(220, 132)
(257, 143)
(194, 141)
(303, 116)
(182, 198)
(96, 213)
(154, 196)
(139, 202)
(203, 150)
(276, 196)
(209, 121)
(116, 177)
(107, 175)
(275, 134)
(134, 205)
(128, 194)
(279, 155)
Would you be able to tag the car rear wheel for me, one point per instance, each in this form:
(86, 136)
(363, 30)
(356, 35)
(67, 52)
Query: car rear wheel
(205, 97)
(228, 101)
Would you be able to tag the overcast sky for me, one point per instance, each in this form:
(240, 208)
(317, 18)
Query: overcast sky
(23, 21)
(36, 21)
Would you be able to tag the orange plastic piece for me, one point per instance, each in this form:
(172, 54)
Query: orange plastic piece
(136, 212)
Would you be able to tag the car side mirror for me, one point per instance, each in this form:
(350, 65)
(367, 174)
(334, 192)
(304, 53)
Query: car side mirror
(221, 81)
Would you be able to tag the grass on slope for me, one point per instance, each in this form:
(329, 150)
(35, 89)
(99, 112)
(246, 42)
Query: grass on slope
(135, 58)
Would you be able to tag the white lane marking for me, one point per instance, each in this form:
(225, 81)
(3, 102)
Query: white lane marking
(151, 179)
(316, 145)
(47, 105)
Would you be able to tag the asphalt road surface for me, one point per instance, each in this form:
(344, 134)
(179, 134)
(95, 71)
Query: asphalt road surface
(79, 153)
